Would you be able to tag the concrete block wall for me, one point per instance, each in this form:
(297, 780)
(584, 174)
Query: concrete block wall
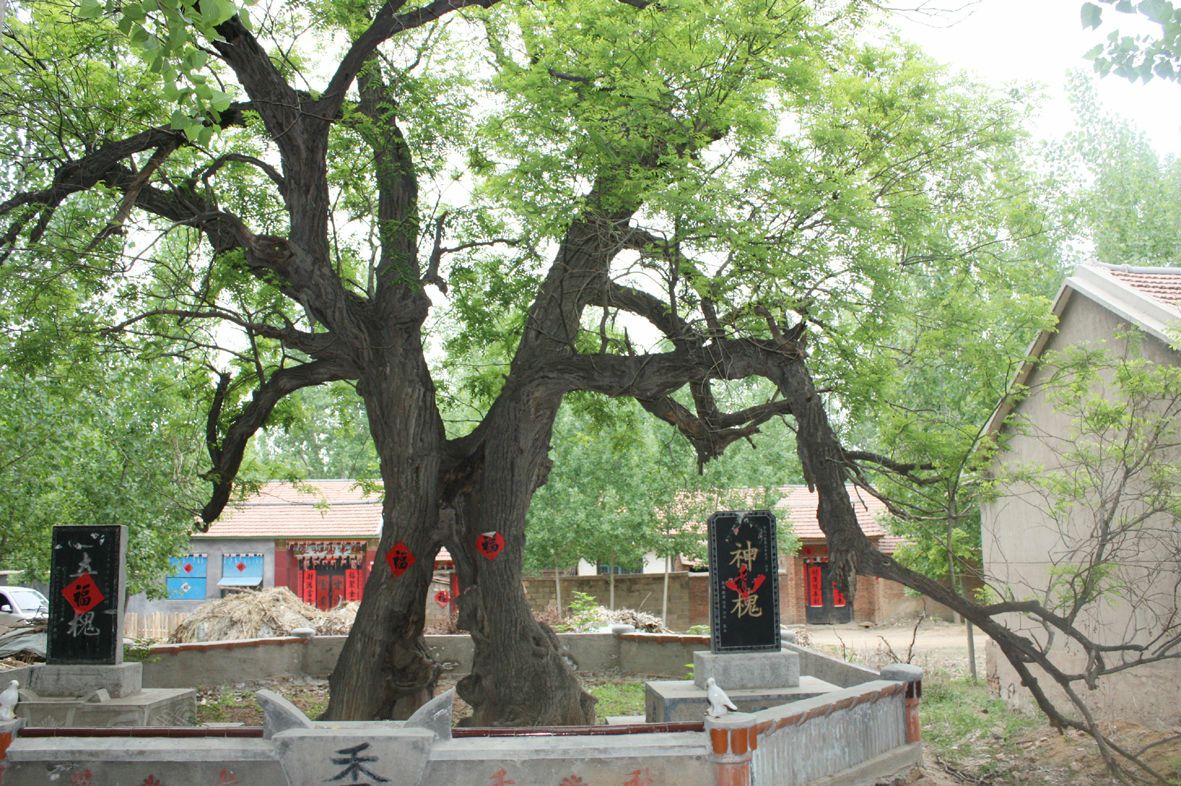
(855, 736)
(688, 594)
(212, 663)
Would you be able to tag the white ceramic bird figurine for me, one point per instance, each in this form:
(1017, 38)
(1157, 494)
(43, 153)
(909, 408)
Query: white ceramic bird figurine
(8, 699)
(719, 702)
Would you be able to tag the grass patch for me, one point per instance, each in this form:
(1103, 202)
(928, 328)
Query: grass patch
(618, 698)
(964, 723)
(224, 706)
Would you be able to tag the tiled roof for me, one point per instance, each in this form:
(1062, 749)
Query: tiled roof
(340, 509)
(1148, 298)
(1163, 284)
(890, 543)
(800, 506)
(311, 509)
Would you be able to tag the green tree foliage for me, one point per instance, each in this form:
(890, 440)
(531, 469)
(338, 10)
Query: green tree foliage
(1143, 55)
(96, 442)
(318, 433)
(757, 188)
(1122, 199)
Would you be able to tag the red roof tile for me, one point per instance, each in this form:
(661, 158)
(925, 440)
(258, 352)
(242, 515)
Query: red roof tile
(312, 509)
(800, 506)
(1163, 284)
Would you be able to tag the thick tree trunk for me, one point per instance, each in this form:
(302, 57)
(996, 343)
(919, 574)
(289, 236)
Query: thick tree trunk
(384, 671)
(519, 676)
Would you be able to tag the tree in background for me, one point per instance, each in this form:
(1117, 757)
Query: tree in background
(1142, 55)
(741, 176)
(1121, 200)
(318, 432)
(94, 441)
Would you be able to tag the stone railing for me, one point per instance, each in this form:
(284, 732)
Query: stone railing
(859, 735)
(865, 734)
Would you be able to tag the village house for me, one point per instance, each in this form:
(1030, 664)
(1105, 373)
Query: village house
(1028, 540)
(319, 539)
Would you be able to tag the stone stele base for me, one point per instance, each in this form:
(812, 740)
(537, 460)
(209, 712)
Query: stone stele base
(152, 707)
(747, 670)
(96, 695)
(673, 701)
(79, 681)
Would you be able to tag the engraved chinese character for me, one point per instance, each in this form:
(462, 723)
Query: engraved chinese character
(354, 765)
(744, 557)
(747, 606)
(83, 625)
(83, 566)
(747, 602)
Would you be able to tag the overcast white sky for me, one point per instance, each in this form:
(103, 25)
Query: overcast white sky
(1005, 41)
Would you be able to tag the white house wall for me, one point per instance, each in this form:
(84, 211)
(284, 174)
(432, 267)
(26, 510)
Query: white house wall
(1020, 542)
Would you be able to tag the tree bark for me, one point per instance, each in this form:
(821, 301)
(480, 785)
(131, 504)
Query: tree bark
(384, 670)
(519, 676)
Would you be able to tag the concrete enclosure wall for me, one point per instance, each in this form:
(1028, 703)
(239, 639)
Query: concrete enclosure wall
(212, 663)
(854, 737)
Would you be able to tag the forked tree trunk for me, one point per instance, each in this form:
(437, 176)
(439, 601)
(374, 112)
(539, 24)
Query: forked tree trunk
(519, 676)
(384, 670)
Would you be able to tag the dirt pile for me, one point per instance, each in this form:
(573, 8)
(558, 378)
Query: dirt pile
(642, 620)
(255, 615)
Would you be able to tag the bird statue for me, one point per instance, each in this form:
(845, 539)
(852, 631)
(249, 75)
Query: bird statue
(719, 702)
(8, 699)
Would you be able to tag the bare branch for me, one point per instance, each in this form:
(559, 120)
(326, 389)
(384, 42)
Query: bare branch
(226, 453)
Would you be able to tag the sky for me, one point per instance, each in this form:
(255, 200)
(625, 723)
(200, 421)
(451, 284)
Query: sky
(1023, 41)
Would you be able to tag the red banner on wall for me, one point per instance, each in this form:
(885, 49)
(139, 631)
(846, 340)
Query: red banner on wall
(352, 584)
(307, 583)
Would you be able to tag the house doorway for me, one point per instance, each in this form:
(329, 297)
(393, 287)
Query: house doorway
(824, 604)
(329, 572)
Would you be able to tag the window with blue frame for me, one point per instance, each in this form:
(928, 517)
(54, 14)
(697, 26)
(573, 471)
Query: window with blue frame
(188, 577)
(240, 572)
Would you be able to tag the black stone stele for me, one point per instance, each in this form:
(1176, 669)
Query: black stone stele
(86, 595)
(744, 581)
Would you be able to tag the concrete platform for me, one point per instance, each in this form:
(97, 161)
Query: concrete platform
(72, 681)
(151, 707)
(746, 670)
(674, 701)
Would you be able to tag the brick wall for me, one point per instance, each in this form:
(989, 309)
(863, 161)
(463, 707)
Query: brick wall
(876, 600)
(642, 592)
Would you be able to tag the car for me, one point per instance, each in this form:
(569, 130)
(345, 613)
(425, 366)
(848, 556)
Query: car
(21, 606)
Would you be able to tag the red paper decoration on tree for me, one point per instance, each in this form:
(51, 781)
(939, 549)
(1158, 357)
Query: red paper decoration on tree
(490, 544)
(399, 558)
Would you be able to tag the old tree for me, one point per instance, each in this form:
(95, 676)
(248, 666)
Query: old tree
(642, 200)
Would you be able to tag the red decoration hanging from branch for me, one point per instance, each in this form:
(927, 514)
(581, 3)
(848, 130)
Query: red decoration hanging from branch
(490, 544)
